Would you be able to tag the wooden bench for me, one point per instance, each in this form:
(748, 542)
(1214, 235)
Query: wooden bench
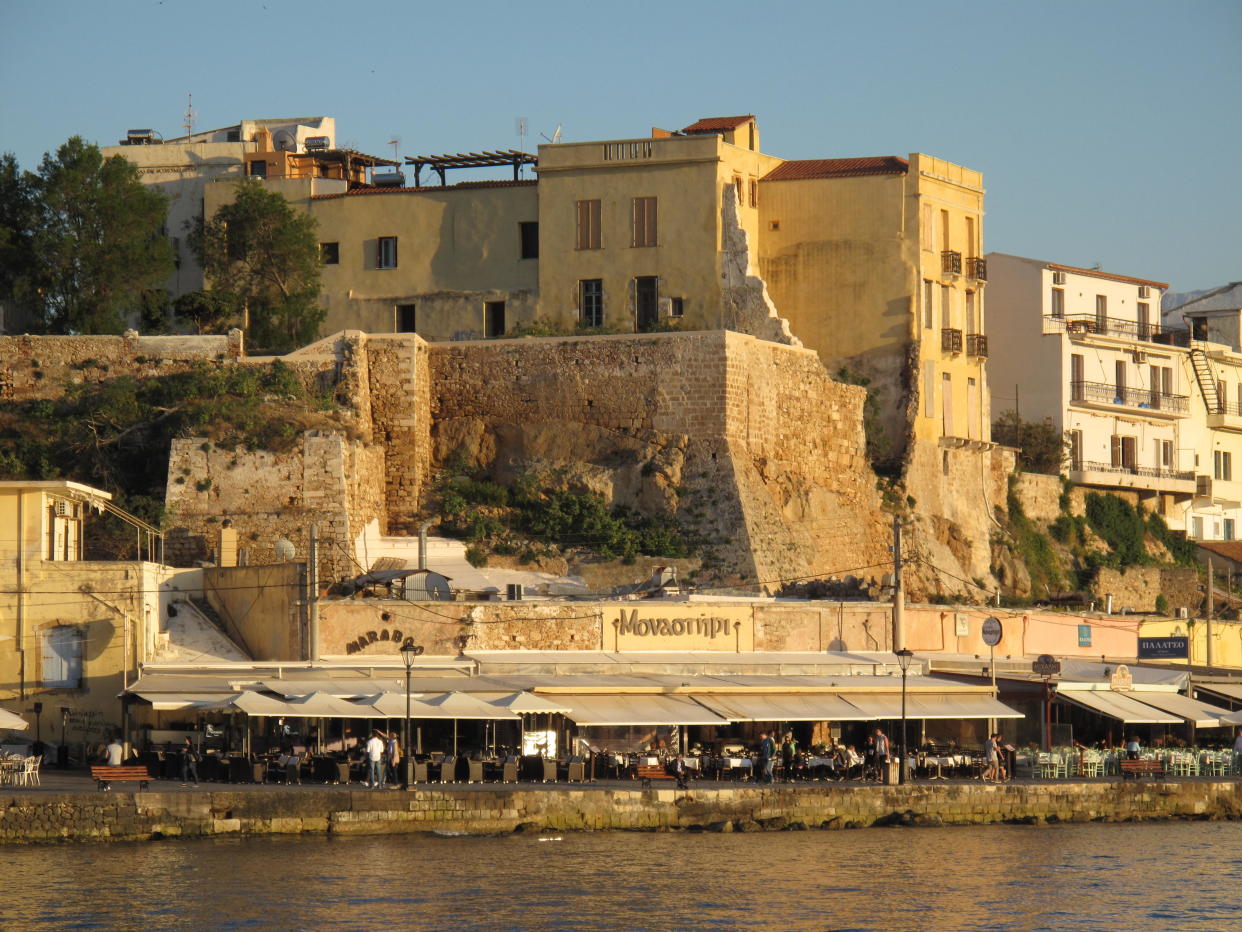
(1142, 768)
(648, 772)
(104, 775)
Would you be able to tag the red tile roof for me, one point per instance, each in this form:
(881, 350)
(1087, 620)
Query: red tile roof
(716, 124)
(1229, 549)
(1097, 273)
(355, 192)
(838, 168)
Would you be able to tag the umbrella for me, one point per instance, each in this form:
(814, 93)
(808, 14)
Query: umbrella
(11, 720)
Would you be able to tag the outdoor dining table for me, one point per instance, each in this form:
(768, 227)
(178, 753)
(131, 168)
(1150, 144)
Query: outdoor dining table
(940, 761)
(10, 770)
(733, 767)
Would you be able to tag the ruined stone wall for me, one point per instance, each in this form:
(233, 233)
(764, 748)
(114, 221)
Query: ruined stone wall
(1135, 588)
(1040, 496)
(39, 367)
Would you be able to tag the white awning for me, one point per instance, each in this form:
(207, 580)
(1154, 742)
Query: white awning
(1228, 690)
(1122, 708)
(526, 703)
(782, 707)
(1197, 713)
(922, 705)
(324, 705)
(252, 703)
(12, 720)
(638, 709)
(1232, 718)
(171, 702)
(464, 705)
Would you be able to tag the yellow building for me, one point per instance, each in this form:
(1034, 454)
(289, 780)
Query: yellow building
(74, 628)
(1226, 638)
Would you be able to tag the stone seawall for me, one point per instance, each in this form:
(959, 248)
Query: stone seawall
(30, 818)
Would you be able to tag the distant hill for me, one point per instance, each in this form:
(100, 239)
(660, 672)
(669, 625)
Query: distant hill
(1175, 299)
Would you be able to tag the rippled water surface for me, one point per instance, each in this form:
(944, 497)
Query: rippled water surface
(1150, 876)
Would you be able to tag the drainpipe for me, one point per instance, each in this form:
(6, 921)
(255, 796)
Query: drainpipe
(422, 544)
(20, 537)
(312, 595)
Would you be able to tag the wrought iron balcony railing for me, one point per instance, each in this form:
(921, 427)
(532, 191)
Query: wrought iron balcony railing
(1105, 326)
(1150, 472)
(976, 344)
(1104, 393)
(977, 268)
(951, 262)
(950, 340)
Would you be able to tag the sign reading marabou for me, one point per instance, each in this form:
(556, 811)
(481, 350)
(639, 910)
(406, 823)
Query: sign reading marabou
(679, 627)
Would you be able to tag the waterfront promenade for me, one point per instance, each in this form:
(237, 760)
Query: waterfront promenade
(68, 807)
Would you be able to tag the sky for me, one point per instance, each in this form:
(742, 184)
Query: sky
(1107, 132)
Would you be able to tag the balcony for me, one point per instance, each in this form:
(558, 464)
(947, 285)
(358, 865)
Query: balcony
(1103, 394)
(950, 340)
(976, 344)
(977, 268)
(1151, 478)
(1104, 326)
(951, 262)
(1226, 416)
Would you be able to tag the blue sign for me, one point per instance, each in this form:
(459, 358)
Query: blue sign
(1084, 635)
(1174, 648)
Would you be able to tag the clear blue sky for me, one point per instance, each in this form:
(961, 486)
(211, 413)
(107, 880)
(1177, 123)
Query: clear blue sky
(1107, 132)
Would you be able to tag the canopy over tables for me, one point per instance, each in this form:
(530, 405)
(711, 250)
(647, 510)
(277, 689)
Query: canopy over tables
(527, 703)
(774, 707)
(324, 705)
(932, 707)
(1197, 713)
(638, 709)
(1118, 706)
(12, 720)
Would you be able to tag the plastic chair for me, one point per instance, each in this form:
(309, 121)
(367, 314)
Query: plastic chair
(30, 772)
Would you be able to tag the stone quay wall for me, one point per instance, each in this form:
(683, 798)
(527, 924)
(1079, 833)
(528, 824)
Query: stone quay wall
(32, 818)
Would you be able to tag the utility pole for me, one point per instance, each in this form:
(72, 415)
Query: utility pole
(899, 590)
(1210, 599)
(312, 595)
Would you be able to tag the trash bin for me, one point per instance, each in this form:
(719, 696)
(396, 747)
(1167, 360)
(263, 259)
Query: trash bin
(892, 772)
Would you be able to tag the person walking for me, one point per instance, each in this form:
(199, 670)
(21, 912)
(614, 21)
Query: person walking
(789, 753)
(392, 758)
(375, 760)
(767, 757)
(189, 763)
(881, 754)
(989, 760)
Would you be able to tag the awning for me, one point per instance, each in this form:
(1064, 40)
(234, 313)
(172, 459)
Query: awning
(1115, 705)
(782, 707)
(525, 703)
(1232, 718)
(950, 706)
(252, 703)
(169, 702)
(464, 705)
(1228, 690)
(638, 709)
(1197, 713)
(12, 720)
(324, 705)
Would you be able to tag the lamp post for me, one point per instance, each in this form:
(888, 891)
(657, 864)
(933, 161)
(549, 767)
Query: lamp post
(409, 650)
(904, 657)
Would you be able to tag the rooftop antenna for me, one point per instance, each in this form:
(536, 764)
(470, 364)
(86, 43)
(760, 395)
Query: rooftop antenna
(395, 142)
(521, 131)
(556, 135)
(190, 115)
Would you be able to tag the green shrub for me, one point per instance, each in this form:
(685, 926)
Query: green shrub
(476, 556)
(1162, 605)
(1121, 527)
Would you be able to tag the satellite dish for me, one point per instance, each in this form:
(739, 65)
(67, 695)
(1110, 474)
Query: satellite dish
(556, 135)
(285, 551)
(284, 141)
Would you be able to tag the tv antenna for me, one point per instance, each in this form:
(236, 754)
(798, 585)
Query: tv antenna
(395, 142)
(521, 132)
(556, 135)
(190, 115)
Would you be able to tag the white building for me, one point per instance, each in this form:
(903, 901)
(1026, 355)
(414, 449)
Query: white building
(1085, 349)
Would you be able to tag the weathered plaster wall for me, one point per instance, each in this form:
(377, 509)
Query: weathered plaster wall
(261, 608)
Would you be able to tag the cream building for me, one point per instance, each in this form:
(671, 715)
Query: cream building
(1085, 348)
(74, 628)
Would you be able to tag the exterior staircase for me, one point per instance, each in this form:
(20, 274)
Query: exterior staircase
(204, 608)
(1206, 379)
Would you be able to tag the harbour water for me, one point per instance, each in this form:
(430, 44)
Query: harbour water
(1082, 876)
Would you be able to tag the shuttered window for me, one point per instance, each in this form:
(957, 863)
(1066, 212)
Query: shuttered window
(644, 228)
(62, 657)
(588, 225)
(386, 252)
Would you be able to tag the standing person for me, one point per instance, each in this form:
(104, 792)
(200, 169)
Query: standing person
(789, 752)
(189, 763)
(881, 753)
(1132, 748)
(115, 753)
(767, 755)
(989, 760)
(1237, 744)
(679, 772)
(392, 758)
(375, 760)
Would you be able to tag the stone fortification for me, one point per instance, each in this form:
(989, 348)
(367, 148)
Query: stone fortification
(117, 816)
(748, 443)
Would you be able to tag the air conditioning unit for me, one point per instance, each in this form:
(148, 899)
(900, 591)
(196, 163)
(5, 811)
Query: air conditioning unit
(1144, 291)
(1140, 358)
(62, 509)
(1203, 486)
(1058, 278)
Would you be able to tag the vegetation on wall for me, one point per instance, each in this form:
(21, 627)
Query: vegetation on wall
(879, 444)
(1041, 447)
(1034, 549)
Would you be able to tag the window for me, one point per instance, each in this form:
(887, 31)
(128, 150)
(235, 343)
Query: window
(946, 403)
(972, 325)
(929, 312)
(494, 318)
(1124, 452)
(646, 303)
(1058, 302)
(929, 388)
(1075, 451)
(1119, 369)
(1223, 464)
(258, 168)
(644, 222)
(528, 233)
(1196, 525)
(754, 192)
(62, 657)
(1144, 321)
(407, 320)
(386, 252)
(946, 306)
(676, 307)
(1101, 311)
(588, 225)
(970, 236)
(737, 184)
(1228, 534)
(591, 301)
(66, 530)
(945, 239)
(330, 253)
(929, 232)
(1077, 377)
(1164, 453)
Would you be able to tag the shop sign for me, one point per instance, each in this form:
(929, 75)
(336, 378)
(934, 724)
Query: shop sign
(1174, 648)
(1084, 635)
(1046, 665)
(961, 625)
(680, 628)
(992, 631)
(363, 641)
(1121, 679)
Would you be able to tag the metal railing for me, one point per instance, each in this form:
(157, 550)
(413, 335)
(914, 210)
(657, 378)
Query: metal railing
(951, 262)
(976, 344)
(1148, 472)
(977, 268)
(1104, 393)
(950, 340)
(1228, 407)
(1105, 326)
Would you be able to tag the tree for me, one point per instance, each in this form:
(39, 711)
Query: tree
(264, 254)
(209, 311)
(17, 255)
(98, 242)
(1041, 447)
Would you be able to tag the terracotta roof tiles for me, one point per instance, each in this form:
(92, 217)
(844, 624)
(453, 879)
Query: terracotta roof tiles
(1100, 273)
(716, 124)
(805, 169)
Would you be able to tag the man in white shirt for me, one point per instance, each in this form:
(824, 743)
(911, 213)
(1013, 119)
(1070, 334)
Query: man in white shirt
(375, 760)
(116, 753)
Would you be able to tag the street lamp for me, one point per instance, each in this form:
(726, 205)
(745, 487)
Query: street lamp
(904, 656)
(409, 650)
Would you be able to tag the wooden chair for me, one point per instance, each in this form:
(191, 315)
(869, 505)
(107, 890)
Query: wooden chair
(475, 774)
(549, 771)
(421, 772)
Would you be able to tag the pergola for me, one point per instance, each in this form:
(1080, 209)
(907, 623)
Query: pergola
(440, 164)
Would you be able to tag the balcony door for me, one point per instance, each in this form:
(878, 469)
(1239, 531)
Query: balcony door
(646, 303)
